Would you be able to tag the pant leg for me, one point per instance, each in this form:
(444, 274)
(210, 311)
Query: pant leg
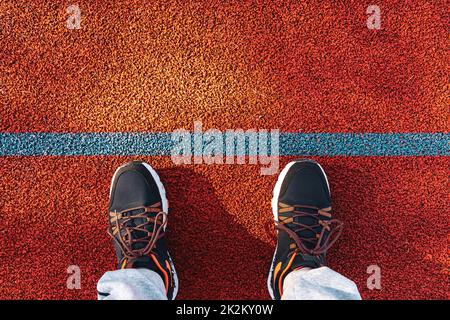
(131, 284)
(318, 284)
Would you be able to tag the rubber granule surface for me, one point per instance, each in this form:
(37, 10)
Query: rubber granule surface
(300, 67)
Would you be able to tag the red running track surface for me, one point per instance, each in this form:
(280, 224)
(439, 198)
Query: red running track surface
(54, 214)
(309, 66)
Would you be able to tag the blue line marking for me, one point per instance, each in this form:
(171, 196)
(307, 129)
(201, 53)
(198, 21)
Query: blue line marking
(291, 144)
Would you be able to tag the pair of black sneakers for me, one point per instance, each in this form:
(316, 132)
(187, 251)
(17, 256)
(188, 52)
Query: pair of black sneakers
(301, 204)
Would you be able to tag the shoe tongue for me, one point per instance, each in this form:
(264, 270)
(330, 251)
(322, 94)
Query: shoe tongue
(144, 262)
(138, 234)
(306, 260)
(308, 221)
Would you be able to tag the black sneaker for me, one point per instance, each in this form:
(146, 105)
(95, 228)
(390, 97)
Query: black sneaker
(138, 211)
(301, 206)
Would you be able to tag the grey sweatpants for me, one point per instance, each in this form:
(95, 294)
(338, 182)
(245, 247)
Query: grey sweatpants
(313, 284)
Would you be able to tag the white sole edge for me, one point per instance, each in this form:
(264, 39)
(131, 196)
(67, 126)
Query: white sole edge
(276, 196)
(165, 208)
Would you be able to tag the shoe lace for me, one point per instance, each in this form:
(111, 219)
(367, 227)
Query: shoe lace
(322, 241)
(123, 229)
